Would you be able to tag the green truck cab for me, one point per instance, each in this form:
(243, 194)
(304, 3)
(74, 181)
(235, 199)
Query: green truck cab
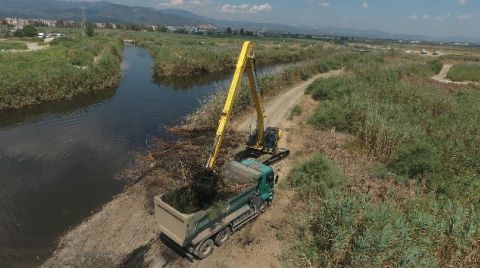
(199, 232)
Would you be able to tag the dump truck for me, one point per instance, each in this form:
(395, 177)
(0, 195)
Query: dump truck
(199, 232)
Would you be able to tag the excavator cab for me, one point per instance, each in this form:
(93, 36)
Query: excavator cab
(271, 138)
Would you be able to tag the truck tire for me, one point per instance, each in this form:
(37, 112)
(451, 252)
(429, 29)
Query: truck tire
(259, 204)
(205, 249)
(222, 236)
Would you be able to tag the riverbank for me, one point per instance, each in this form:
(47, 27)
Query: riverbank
(126, 226)
(178, 55)
(66, 69)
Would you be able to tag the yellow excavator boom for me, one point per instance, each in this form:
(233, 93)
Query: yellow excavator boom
(245, 64)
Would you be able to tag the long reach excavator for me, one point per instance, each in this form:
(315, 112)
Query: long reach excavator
(197, 233)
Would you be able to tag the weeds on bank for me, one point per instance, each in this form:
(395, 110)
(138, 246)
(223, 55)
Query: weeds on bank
(418, 132)
(187, 55)
(60, 72)
(207, 114)
(340, 228)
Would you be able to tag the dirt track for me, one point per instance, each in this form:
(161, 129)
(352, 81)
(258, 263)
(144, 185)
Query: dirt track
(442, 77)
(126, 224)
(278, 109)
(30, 47)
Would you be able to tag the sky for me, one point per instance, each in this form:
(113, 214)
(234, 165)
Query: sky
(435, 18)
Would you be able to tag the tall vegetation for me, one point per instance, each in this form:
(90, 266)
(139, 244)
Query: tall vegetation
(341, 228)
(66, 69)
(271, 85)
(186, 55)
(419, 132)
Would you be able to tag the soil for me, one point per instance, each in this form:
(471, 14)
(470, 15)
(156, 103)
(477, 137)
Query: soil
(31, 46)
(123, 232)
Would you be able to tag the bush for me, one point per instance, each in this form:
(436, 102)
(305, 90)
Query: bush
(296, 111)
(330, 88)
(317, 177)
(330, 114)
(435, 65)
(416, 159)
(345, 229)
(54, 73)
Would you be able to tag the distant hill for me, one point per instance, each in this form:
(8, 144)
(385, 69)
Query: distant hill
(104, 11)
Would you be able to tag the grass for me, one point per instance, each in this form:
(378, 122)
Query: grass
(7, 45)
(339, 228)
(465, 72)
(208, 113)
(296, 111)
(186, 55)
(60, 72)
(416, 131)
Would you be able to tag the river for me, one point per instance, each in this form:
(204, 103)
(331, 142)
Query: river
(59, 161)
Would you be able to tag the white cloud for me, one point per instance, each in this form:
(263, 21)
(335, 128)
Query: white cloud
(467, 16)
(178, 3)
(462, 2)
(426, 16)
(246, 8)
(365, 4)
(413, 17)
(325, 4)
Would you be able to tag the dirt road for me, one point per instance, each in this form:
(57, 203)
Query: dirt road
(442, 77)
(31, 46)
(278, 109)
(124, 229)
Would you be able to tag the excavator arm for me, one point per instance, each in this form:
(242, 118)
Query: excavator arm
(246, 63)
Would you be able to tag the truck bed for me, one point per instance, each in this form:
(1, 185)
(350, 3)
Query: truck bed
(189, 229)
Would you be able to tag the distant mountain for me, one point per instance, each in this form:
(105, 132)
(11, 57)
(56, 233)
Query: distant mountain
(104, 11)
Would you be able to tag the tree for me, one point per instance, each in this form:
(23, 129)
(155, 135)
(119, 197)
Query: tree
(162, 29)
(229, 31)
(29, 31)
(89, 30)
(242, 31)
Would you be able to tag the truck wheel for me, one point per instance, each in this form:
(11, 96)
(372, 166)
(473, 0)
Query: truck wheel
(222, 236)
(259, 204)
(205, 249)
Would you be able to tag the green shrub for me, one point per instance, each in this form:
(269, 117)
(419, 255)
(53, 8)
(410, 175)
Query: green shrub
(435, 65)
(54, 73)
(345, 229)
(296, 111)
(416, 159)
(317, 177)
(330, 88)
(330, 114)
